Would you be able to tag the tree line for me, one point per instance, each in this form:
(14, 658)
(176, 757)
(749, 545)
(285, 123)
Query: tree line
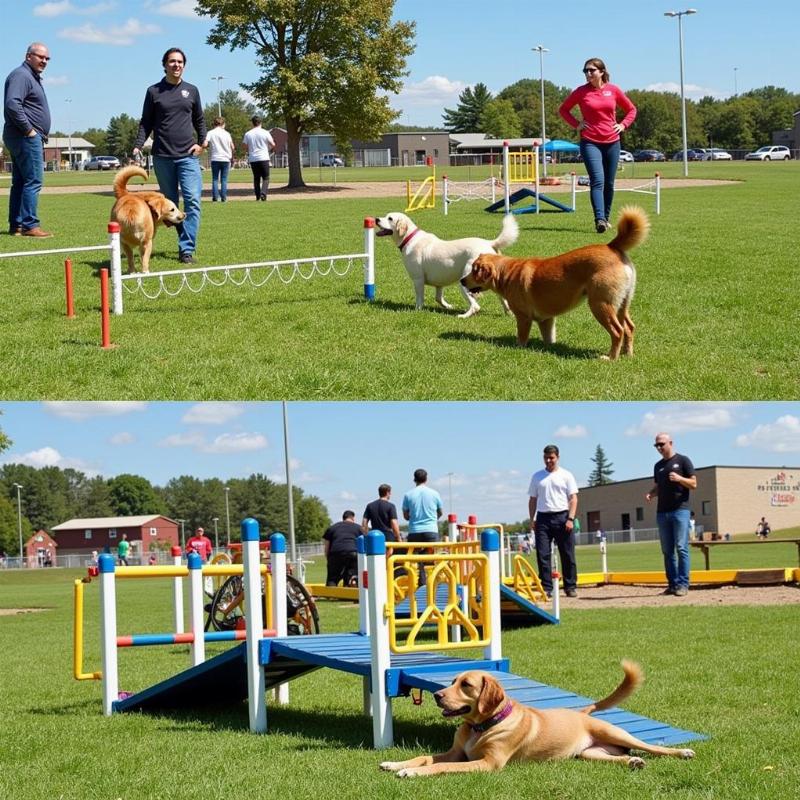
(51, 495)
(745, 121)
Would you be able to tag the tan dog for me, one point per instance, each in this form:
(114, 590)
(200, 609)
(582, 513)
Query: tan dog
(497, 730)
(539, 289)
(139, 214)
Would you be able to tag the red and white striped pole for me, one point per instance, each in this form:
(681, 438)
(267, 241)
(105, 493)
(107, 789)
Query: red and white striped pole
(177, 591)
(369, 264)
(68, 284)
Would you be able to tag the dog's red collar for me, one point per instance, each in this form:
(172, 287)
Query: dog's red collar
(408, 238)
(492, 721)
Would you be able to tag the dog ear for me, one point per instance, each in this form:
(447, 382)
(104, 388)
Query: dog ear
(483, 269)
(401, 227)
(156, 206)
(491, 696)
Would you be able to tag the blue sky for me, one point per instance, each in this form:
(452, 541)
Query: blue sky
(106, 52)
(342, 451)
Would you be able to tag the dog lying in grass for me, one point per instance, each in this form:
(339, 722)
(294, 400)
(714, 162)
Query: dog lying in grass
(496, 730)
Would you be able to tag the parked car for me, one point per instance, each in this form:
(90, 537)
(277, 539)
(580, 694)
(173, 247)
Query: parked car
(102, 162)
(717, 154)
(648, 155)
(624, 155)
(692, 154)
(775, 152)
(330, 160)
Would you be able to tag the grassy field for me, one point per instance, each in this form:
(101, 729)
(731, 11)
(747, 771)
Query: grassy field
(733, 677)
(717, 302)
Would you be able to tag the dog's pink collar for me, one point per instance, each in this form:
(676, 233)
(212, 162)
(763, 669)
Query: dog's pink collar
(492, 721)
(408, 238)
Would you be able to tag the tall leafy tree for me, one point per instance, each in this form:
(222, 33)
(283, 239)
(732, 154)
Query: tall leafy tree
(133, 495)
(98, 137)
(324, 63)
(525, 96)
(9, 526)
(5, 442)
(466, 116)
(120, 135)
(499, 120)
(603, 468)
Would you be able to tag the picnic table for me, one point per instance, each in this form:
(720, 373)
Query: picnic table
(706, 546)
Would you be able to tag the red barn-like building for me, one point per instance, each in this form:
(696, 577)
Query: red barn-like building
(145, 533)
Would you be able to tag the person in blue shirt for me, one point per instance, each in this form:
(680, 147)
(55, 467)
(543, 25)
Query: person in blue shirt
(422, 507)
(27, 125)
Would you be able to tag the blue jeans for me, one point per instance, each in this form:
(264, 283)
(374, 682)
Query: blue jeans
(219, 177)
(601, 163)
(673, 530)
(27, 175)
(182, 174)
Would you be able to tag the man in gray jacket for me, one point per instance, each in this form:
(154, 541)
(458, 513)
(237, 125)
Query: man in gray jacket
(27, 125)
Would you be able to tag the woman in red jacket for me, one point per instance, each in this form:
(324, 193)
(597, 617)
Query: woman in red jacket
(598, 100)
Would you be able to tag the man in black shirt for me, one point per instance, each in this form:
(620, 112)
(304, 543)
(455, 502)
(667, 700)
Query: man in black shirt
(674, 477)
(340, 550)
(381, 515)
(173, 113)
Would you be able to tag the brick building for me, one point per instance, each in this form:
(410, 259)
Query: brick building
(145, 533)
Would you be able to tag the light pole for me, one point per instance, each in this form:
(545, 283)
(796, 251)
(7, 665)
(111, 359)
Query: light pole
(215, 520)
(218, 78)
(680, 15)
(183, 535)
(69, 134)
(227, 516)
(450, 492)
(735, 84)
(541, 51)
(17, 486)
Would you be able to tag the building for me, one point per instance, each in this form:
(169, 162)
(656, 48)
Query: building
(40, 550)
(145, 533)
(404, 149)
(727, 500)
(62, 151)
(478, 148)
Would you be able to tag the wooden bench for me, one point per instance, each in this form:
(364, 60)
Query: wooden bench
(706, 546)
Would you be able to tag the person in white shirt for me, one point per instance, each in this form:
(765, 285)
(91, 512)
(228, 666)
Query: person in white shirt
(220, 151)
(258, 143)
(552, 504)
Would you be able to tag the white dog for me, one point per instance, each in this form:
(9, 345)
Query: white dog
(431, 261)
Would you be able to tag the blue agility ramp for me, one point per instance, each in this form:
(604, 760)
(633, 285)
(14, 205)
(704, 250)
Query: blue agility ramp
(531, 208)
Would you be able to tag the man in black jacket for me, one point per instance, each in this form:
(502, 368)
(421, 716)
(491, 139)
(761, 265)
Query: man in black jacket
(173, 113)
(341, 551)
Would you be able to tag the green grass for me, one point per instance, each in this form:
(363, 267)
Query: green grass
(731, 675)
(716, 307)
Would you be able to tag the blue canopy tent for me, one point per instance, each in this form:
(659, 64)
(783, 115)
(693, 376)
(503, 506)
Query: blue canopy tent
(561, 146)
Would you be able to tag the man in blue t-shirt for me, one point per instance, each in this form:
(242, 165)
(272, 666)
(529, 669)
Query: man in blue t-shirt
(673, 478)
(422, 507)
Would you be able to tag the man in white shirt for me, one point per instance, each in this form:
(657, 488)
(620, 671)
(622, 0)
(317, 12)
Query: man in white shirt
(258, 142)
(220, 152)
(552, 504)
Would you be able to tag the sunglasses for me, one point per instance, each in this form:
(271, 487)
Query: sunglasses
(590, 69)
(660, 444)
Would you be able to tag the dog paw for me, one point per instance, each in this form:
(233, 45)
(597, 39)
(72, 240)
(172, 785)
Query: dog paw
(687, 753)
(634, 762)
(408, 773)
(390, 766)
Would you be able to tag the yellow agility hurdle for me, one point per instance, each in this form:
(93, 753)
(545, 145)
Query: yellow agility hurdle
(523, 166)
(425, 196)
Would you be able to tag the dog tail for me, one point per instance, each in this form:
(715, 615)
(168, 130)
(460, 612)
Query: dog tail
(123, 176)
(630, 683)
(633, 226)
(508, 235)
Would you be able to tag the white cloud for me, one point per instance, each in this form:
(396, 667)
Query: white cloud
(570, 432)
(236, 443)
(55, 80)
(196, 440)
(174, 8)
(781, 436)
(49, 457)
(88, 410)
(66, 7)
(688, 417)
(435, 90)
(121, 438)
(212, 413)
(690, 90)
(123, 35)
(347, 496)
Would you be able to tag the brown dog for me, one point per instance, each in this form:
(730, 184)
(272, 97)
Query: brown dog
(497, 730)
(539, 289)
(139, 214)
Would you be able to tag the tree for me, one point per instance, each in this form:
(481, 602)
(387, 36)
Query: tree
(323, 63)
(466, 117)
(121, 135)
(97, 137)
(5, 442)
(132, 495)
(238, 112)
(525, 95)
(500, 121)
(9, 528)
(602, 472)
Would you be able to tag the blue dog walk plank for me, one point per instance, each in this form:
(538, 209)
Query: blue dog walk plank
(538, 615)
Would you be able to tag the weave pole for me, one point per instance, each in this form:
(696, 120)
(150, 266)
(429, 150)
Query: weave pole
(105, 328)
(369, 263)
(68, 285)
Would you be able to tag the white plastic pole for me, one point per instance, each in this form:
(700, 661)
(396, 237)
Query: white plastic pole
(452, 528)
(116, 266)
(257, 702)
(108, 631)
(556, 581)
(363, 616)
(658, 192)
(382, 726)
(536, 175)
(177, 591)
(574, 188)
(198, 649)
(490, 546)
(506, 184)
(445, 196)
(604, 557)
(277, 558)
(369, 266)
